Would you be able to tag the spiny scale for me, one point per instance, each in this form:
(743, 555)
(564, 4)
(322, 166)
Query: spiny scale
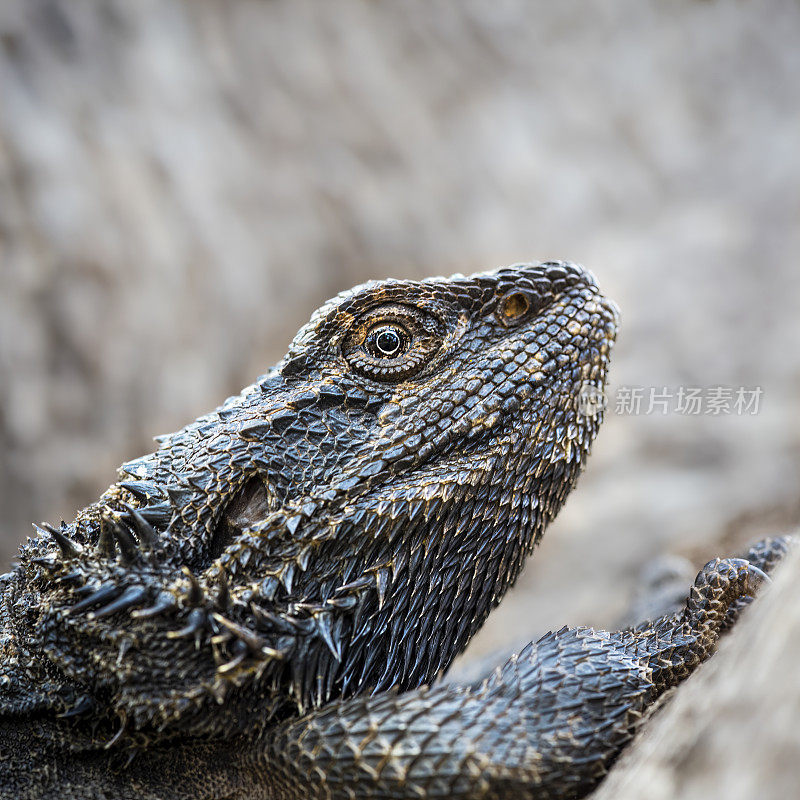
(107, 592)
(128, 546)
(69, 549)
(132, 596)
(148, 537)
(164, 602)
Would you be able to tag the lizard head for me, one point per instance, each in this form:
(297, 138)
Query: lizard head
(347, 522)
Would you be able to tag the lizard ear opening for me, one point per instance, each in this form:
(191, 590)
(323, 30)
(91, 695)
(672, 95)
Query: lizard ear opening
(250, 505)
(514, 307)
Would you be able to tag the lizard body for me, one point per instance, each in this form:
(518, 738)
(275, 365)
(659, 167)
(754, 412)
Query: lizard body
(256, 609)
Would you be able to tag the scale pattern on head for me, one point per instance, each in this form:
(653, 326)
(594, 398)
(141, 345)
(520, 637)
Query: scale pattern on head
(343, 525)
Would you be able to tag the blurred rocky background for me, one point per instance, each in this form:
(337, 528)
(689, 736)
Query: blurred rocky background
(182, 183)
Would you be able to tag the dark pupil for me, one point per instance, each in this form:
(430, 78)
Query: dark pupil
(388, 342)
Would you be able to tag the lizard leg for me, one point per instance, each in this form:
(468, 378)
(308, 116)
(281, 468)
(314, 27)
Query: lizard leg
(767, 553)
(549, 723)
(764, 555)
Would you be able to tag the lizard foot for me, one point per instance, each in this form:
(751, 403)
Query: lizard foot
(723, 588)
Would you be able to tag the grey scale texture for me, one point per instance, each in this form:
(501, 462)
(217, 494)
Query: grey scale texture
(261, 608)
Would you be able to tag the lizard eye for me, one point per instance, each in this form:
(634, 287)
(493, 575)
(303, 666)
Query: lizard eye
(392, 343)
(387, 341)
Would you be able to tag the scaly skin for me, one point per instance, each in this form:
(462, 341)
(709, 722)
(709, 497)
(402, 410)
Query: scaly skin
(253, 610)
